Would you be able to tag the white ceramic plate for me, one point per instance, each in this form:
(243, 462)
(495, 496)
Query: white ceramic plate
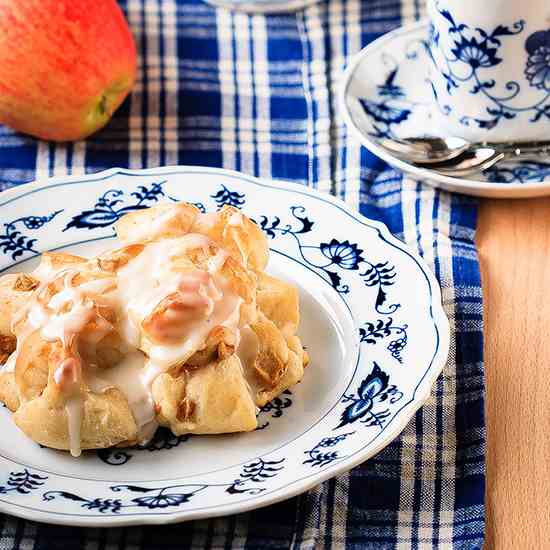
(385, 92)
(372, 322)
(263, 6)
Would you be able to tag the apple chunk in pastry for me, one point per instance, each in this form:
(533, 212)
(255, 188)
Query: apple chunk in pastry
(180, 327)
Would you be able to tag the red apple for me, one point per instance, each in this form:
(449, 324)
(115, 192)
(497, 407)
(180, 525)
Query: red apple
(65, 65)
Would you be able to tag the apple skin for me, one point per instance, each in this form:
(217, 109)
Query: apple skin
(65, 66)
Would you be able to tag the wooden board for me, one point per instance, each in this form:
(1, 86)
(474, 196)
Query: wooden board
(514, 248)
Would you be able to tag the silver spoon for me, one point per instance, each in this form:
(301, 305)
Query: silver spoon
(470, 162)
(483, 158)
(458, 158)
(430, 150)
(425, 150)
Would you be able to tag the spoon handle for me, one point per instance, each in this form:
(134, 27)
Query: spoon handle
(520, 149)
(464, 169)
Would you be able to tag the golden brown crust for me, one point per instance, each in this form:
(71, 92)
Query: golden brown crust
(239, 235)
(215, 390)
(220, 344)
(106, 420)
(271, 361)
(186, 410)
(59, 260)
(114, 260)
(276, 366)
(236, 233)
(32, 366)
(222, 402)
(53, 262)
(295, 344)
(279, 301)
(8, 391)
(177, 220)
(240, 279)
(12, 298)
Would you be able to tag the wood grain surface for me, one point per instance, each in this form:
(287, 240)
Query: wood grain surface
(514, 248)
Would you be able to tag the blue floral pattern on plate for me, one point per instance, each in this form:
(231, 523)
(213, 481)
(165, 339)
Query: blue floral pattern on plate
(23, 482)
(250, 481)
(520, 172)
(372, 391)
(114, 204)
(358, 280)
(163, 439)
(226, 197)
(320, 456)
(15, 240)
(383, 329)
(332, 257)
(275, 409)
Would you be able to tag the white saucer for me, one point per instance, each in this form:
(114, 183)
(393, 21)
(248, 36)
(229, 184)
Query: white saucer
(385, 92)
(263, 6)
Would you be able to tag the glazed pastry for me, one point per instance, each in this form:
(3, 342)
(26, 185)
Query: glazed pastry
(180, 327)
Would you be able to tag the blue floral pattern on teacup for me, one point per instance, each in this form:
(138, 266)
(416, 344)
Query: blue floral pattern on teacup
(538, 63)
(477, 53)
(465, 64)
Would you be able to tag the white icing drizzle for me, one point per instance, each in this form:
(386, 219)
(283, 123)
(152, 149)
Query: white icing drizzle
(129, 376)
(46, 271)
(236, 220)
(9, 365)
(146, 280)
(152, 370)
(26, 330)
(73, 408)
(218, 261)
(160, 286)
(67, 374)
(66, 314)
(62, 318)
(225, 313)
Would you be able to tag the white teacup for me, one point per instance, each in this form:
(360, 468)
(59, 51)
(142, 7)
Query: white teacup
(491, 67)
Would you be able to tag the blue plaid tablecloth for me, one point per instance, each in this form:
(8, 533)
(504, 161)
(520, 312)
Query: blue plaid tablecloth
(258, 94)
